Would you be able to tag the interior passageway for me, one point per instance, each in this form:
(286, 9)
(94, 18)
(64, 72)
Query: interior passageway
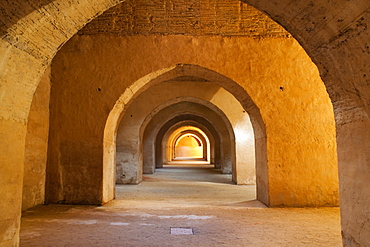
(182, 194)
(61, 76)
(188, 183)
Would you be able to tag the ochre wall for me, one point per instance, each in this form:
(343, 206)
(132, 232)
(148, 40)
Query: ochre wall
(276, 73)
(37, 145)
(334, 33)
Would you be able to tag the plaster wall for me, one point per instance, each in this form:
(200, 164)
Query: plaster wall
(334, 33)
(37, 145)
(244, 137)
(276, 73)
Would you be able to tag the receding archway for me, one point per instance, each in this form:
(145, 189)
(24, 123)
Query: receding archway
(155, 159)
(347, 130)
(190, 143)
(178, 71)
(165, 117)
(164, 121)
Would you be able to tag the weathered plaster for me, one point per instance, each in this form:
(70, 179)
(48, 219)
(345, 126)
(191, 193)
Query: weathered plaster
(36, 146)
(292, 100)
(313, 24)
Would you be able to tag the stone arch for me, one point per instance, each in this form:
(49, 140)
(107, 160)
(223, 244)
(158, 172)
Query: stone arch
(166, 137)
(336, 44)
(200, 137)
(168, 74)
(150, 129)
(132, 171)
(159, 127)
(156, 159)
(279, 142)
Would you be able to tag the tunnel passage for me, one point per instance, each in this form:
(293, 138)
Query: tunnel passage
(160, 156)
(165, 119)
(336, 44)
(168, 92)
(189, 143)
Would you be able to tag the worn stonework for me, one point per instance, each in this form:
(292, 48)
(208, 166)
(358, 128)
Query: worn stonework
(292, 100)
(334, 34)
(36, 146)
(196, 17)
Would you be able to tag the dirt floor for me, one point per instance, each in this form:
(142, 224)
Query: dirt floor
(193, 197)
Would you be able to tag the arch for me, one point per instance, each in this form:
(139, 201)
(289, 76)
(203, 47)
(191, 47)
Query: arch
(224, 145)
(199, 136)
(218, 152)
(336, 44)
(278, 158)
(155, 157)
(193, 134)
(155, 126)
(168, 74)
(169, 144)
(182, 140)
(158, 128)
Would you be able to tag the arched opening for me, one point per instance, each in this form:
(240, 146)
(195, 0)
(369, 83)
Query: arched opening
(271, 178)
(154, 158)
(190, 143)
(351, 120)
(228, 71)
(180, 111)
(158, 122)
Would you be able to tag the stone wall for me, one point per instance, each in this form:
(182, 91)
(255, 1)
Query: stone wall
(195, 18)
(334, 34)
(37, 145)
(276, 73)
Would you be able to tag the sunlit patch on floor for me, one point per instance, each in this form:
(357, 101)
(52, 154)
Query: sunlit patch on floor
(181, 231)
(189, 217)
(119, 224)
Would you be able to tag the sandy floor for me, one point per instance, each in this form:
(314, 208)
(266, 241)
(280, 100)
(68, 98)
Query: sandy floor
(200, 198)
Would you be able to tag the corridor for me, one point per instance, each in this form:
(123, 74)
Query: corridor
(181, 195)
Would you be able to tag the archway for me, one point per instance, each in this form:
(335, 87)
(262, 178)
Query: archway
(178, 71)
(154, 156)
(283, 99)
(177, 123)
(156, 126)
(190, 143)
(353, 112)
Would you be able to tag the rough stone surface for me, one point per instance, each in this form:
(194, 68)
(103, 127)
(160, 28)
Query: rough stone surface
(335, 35)
(36, 146)
(276, 73)
(220, 213)
(196, 17)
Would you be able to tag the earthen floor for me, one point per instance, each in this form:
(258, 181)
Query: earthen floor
(196, 197)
